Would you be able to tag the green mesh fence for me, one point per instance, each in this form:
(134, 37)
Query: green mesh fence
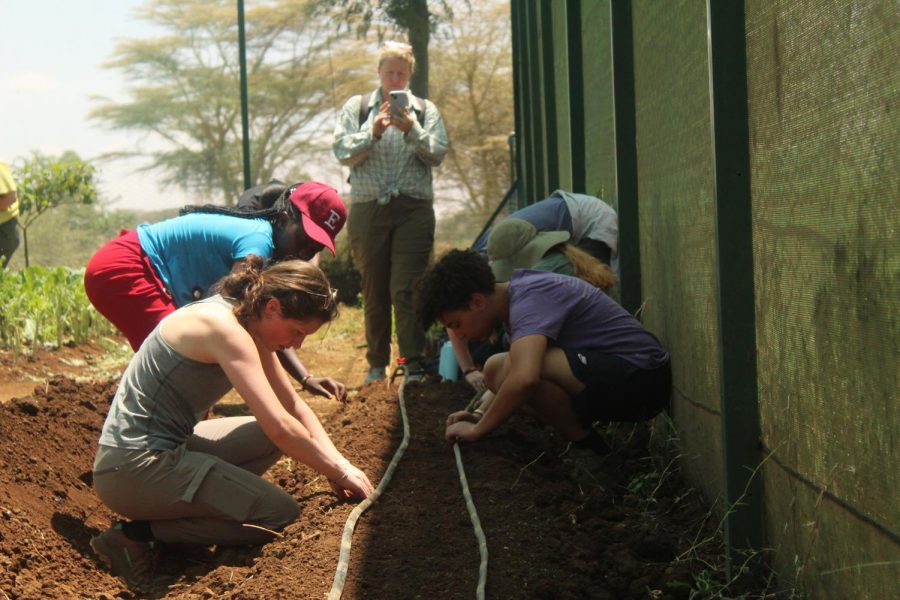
(825, 130)
(678, 264)
(824, 103)
(597, 130)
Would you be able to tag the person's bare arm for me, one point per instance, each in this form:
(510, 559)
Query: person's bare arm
(282, 415)
(295, 405)
(353, 482)
(526, 356)
(473, 376)
(321, 386)
(8, 199)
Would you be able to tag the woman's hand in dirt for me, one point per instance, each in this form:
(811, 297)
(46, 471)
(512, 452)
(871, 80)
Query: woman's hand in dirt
(355, 484)
(327, 387)
(464, 415)
(476, 380)
(460, 431)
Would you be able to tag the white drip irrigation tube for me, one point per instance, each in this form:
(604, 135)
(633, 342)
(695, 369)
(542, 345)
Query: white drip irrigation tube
(476, 524)
(337, 586)
(340, 576)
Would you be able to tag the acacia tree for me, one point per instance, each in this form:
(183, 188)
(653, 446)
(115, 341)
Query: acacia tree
(473, 87)
(414, 17)
(45, 182)
(184, 91)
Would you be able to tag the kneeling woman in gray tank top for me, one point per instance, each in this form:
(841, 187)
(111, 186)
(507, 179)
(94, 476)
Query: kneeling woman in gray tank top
(182, 479)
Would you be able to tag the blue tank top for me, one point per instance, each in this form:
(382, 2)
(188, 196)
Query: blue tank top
(194, 251)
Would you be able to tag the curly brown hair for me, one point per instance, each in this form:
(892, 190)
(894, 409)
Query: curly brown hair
(450, 283)
(302, 288)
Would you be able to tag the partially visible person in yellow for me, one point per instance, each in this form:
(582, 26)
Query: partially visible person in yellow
(9, 215)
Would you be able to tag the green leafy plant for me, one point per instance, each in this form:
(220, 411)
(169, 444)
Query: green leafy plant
(45, 182)
(47, 307)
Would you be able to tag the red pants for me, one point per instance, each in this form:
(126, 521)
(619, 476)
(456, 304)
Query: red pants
(122, 285)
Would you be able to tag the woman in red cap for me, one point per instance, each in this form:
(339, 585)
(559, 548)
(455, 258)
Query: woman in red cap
(143, 275)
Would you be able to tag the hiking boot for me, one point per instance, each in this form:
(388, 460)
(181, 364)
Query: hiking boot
(130, 560)
(417, 376)
(375, 374)
(416, 372)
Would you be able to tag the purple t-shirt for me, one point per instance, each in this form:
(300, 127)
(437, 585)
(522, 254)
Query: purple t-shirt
(573, 314)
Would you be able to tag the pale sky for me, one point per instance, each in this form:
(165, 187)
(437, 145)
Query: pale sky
(52, 51)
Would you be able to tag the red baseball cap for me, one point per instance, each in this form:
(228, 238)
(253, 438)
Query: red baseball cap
(322, 211)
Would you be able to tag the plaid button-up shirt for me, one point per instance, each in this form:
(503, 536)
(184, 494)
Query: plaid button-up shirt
(397, 163)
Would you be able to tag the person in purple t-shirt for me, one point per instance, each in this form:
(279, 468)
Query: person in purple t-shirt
(576, 356)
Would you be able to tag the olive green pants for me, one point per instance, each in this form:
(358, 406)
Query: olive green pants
(391, 245)
(207, 491)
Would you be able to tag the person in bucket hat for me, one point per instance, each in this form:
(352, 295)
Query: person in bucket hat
(138, 278)
(591, 222)
(517, 244)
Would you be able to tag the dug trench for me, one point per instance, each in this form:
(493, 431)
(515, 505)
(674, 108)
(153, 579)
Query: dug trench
(619, 527)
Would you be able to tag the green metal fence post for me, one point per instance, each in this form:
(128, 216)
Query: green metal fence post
(245, 112)
(576, 96)
(517, 138)
(535, 142)
(626, 153)
(548, 112)
(734, 246)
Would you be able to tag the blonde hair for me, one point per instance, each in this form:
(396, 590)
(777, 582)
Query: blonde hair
(589, 268)
(397, 50)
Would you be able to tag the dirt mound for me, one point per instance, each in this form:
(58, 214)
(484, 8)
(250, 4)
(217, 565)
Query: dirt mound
(48, 510)
(556, 526)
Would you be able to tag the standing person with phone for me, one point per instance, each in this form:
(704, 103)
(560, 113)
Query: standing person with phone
(391, 140)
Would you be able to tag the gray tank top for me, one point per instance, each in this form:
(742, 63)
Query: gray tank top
(161, 396)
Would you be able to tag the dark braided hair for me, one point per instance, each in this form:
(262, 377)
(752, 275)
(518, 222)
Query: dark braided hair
(273, 201)
(302, 288)
(450, 283)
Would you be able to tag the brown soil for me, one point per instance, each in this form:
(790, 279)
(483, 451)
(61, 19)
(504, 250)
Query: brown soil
(556, 526)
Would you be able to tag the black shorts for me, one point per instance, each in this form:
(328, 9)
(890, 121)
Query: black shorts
(617, 390)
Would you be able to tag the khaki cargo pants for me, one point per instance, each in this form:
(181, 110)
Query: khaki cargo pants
(207, 491)
(391, 247)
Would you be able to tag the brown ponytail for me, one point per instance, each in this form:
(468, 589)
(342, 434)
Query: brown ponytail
(302, 288)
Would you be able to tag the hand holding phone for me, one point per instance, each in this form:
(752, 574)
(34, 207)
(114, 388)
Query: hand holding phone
(399, 102)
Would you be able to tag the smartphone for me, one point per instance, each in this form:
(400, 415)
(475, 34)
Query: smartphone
(399, 102)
